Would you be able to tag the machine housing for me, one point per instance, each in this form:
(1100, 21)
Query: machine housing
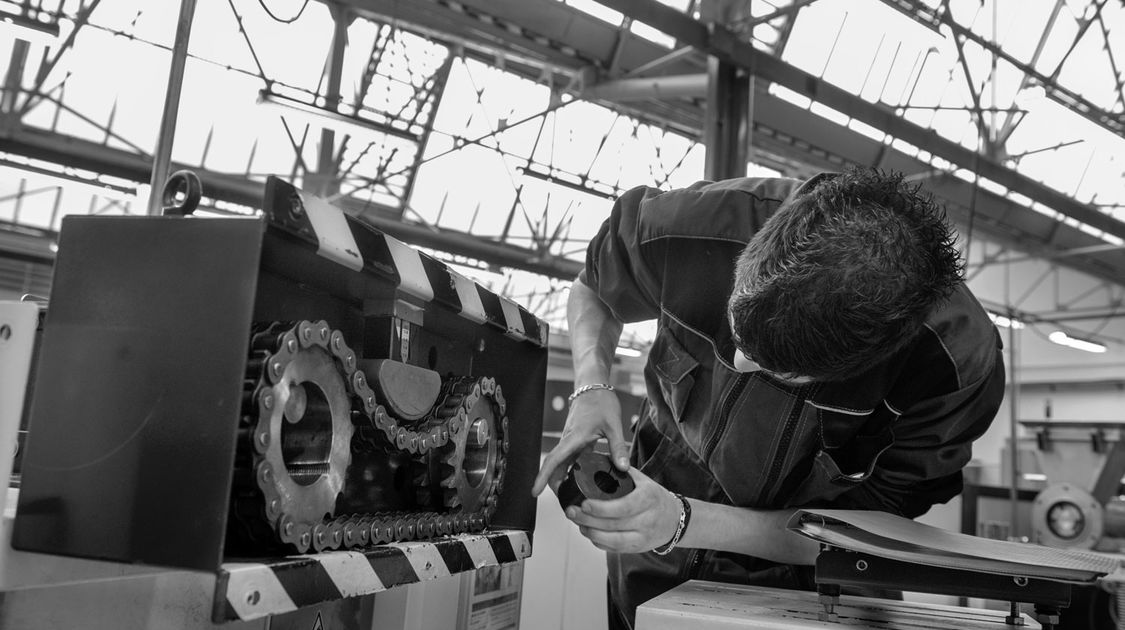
(141, 382)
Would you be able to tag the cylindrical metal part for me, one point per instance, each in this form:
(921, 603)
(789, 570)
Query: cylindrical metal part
(162, 157)
(1066, 516)
(593, 476)
(1114, 526)
(181, 193)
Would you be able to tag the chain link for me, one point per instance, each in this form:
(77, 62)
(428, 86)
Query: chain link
(435, 444)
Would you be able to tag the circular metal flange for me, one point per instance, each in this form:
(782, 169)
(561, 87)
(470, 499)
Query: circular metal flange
(1066, 516)
(593, 476)
(303, 434)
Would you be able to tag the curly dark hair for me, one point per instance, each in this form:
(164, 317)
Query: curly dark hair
(842, 276)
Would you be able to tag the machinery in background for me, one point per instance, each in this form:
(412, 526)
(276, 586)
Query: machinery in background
(214, 388)
(1074, 470)
(1068, 495)
(19, 323)
(876, 550)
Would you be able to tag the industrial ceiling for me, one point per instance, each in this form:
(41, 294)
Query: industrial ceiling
(1012, 114)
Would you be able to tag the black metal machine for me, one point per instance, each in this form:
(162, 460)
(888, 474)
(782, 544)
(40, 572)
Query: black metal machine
(211, 388)
(875, 550)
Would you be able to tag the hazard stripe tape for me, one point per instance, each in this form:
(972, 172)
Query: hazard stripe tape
(412, 276)
(357, 246)
(512, 319)
(259, 592)
(469, 297)
(251, 590)
(480, 552)
(503, 548)
(426, 561)
(334, 236)
(353, 574)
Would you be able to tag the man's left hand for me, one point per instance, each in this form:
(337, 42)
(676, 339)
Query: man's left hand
(644, 519)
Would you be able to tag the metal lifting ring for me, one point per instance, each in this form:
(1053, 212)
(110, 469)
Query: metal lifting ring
(181, 194)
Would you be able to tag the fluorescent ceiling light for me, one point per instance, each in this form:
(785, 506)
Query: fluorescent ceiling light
(330, 119)
(1004, 321)
(628, 352)
(1064, 339)
(29, 29)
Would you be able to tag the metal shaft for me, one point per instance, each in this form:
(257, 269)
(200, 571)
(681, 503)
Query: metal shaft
(162, 159)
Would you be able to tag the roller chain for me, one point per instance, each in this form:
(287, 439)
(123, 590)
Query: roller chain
(283, 358)
(438, 444)
(469, 469)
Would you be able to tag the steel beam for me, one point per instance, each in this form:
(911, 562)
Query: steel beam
(326, 180)
(28, 245)
(726, 124)
(548, 23)
(1061, 316)
(1069, 98)
(554, 98)
(548, 33)
(656, 64)
(163, 153)
(719, 41)
(83, 154)
(677, 86)
(784, 129)
(1077, 251)
(1010, 121)
(437, 90)
(788, 136)
(788, 12)
(12, 81)
(374, 58)
(34, 95)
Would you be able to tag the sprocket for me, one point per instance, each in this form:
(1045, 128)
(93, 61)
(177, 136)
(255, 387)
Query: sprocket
(303, 433)
(310, 417)
(470, 468)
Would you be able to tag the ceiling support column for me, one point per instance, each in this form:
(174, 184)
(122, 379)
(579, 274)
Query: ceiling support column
(727, 120)
(162, 159)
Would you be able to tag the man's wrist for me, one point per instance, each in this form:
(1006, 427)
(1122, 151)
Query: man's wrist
(681, 526)
(585, 389)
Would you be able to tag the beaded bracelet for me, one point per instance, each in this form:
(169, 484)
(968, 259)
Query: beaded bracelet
(589, 388)
(681, 527)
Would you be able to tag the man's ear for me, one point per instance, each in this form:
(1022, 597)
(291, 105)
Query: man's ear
(743, 364)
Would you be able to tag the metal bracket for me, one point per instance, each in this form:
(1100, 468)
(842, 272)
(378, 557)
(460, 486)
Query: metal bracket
(836, 567)
(1098, 442)
(1108, 482)
(1043, 439)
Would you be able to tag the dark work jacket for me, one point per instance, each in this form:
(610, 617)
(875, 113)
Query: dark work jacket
(892, 439)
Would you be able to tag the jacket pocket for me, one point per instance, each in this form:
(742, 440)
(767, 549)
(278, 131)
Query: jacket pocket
(837, 469)
(854, 462)
(668, 462)
(673, 366)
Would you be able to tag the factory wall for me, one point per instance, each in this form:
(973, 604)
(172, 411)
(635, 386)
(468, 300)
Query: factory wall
(1053, 383)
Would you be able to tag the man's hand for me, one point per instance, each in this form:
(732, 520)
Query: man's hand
(594, 414)
(644, 519)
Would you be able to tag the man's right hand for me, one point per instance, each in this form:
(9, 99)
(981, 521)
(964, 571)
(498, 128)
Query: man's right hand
(593, 415)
